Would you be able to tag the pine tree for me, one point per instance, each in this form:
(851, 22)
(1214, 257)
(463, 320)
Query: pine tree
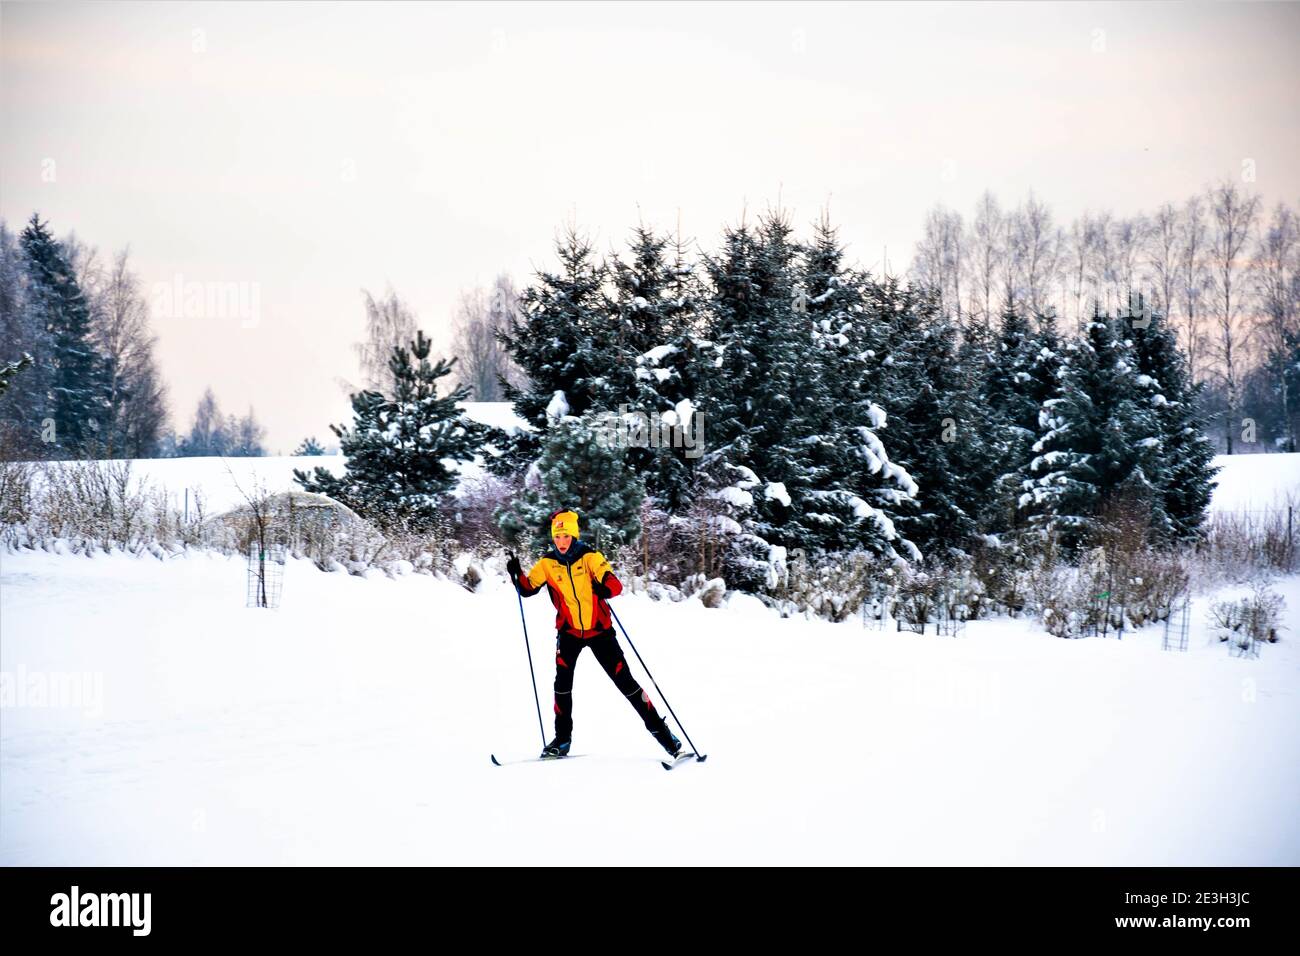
(856, 487)
(78, 378)
(935, 424)
(936, 431)
(1022, 370)
(402, 451)
(1286, 376)
(978, 448)
(583, 469)
(657, 297)
(1098, 436)
(754, 401)
(566, 341)
(22, 332)
(309, 447)
(1184, 460)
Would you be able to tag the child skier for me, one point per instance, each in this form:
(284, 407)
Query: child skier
(580, 581)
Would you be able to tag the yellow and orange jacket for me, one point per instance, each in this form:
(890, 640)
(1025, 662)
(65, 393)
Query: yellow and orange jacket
(578, 610)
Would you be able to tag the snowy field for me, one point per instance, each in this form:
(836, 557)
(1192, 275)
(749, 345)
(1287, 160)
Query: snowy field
(221, 483)
(1256, 482)
(150, 718)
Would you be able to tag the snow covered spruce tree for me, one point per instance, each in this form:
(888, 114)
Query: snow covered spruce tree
(793, 450)
(22, 332)
(566, 341)
(933, 425)
(1021, 371)
(1097, 432)
(581, 467)
(974, 436)
(77, 376)
(751, 400)
(402, 452)
(1184, 466)
(657, 300)
(855, 489)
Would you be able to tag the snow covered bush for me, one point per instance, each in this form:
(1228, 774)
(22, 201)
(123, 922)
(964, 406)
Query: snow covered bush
(709, 591)
(1065, 599)
(830, 586)
(478, 498)
(1256, 617)
(88, 505)
(706, 540)
(1149, 583)
(1003, 571)
(917, 598)
(673, 551)
(1238, 543)
(1261, 612)
(16, 489)
(1225, 618)
(1060, 616)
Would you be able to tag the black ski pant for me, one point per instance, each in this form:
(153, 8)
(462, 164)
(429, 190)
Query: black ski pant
(607, 650)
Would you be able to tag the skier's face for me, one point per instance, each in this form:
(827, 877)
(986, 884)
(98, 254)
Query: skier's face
(562, 541)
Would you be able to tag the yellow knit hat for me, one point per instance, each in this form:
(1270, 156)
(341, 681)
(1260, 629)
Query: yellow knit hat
(564, 522)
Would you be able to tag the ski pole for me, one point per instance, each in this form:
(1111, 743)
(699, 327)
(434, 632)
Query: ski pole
(655, 683)
(531, 673)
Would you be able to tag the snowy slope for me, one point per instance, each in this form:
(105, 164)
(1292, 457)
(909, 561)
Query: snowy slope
(1246, 481)
(353, 725)
(1255, 482)
(219, 480)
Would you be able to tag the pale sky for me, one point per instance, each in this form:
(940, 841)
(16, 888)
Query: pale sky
(298, 153)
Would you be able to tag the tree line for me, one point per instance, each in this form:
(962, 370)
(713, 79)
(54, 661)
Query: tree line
(1222, 269)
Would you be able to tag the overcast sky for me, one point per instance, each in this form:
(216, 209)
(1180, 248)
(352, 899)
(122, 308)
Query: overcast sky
(302, 152)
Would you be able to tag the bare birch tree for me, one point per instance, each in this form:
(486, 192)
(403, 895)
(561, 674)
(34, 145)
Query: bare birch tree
(1232, 220)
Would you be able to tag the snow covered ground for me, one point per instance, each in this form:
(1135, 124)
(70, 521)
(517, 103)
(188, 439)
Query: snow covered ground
(1245, 481)
(1255, 482)
(218, 481)
(150, 718)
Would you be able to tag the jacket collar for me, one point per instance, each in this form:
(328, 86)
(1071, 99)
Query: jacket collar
(576, 550)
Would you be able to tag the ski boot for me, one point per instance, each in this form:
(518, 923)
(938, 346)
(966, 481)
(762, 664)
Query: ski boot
(667, 739)
(556, 749)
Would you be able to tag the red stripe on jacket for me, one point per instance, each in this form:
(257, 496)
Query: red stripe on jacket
(603, 621)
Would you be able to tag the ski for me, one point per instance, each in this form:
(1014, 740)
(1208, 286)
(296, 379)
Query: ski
(683, 758)
(507, 763)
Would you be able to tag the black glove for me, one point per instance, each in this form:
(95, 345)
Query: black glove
(515, 569)
(598, 587)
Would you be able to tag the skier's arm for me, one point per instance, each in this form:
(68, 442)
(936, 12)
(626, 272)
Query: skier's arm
(526, 584)
(531, 583)
(603, 581)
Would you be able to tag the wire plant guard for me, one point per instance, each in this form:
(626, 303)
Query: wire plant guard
(265, 574)
(1177, 624)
